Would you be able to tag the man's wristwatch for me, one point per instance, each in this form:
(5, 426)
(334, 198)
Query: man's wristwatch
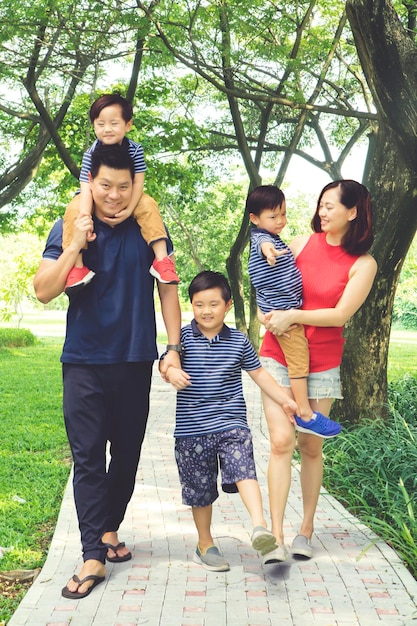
(177, 347)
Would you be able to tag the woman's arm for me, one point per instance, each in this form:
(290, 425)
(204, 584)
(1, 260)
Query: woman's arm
(361, 278)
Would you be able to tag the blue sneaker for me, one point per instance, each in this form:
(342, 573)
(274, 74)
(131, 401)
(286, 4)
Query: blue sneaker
(319, 425)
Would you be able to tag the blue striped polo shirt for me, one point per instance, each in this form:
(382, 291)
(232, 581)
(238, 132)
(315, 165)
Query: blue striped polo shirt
(214, 402)
(277, 286)
(135, 150)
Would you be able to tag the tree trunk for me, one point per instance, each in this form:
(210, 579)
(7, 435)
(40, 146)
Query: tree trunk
(393, 185)
(389, 60)
(234, 271)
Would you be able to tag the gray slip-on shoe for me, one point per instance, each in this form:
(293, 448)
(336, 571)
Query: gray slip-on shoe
(212, 560)
(279, 555)
(263, 540)
(301, 547)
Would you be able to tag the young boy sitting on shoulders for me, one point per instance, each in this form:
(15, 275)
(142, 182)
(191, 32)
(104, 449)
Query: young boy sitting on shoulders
(211, 421)
(112, 117)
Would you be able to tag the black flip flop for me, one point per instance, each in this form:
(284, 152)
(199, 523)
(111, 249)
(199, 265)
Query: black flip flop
(117, 559)
(75, 595)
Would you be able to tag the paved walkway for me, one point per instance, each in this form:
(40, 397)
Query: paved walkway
(354, 579)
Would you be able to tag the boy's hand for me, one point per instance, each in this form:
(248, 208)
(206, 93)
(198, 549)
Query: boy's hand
(273, 254)
(178, 378)
(290, 408)
(121, 216)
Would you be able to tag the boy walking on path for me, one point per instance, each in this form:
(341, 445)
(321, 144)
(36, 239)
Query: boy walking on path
(211, 421)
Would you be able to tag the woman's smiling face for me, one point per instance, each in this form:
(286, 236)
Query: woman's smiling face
(334, 216)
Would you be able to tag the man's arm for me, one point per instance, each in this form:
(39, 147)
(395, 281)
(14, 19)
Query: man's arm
(171, 313)
(49, 280)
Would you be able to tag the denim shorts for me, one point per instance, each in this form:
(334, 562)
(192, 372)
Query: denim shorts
(319, 384)
(198, 459)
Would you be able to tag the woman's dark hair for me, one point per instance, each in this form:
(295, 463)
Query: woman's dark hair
(359, 238)
(114, 156)
(108, 100)
(210, 280)
(264, 197)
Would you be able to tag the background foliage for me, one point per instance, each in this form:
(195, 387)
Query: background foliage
(221, 107)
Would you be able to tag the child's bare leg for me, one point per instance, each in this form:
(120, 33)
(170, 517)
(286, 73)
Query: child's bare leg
(299, 390)
(79, 276)
(251, 497)
(146, 213)
(207, 554)
(79, 261)
(160, 249)
(262, 539)
(310, 421)
(202, 520)
(71, 213)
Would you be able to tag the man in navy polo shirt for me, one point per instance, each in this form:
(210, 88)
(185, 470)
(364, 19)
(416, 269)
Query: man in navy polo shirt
(107, 358)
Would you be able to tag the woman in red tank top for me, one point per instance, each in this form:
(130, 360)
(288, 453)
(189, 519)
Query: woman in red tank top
(337, 273)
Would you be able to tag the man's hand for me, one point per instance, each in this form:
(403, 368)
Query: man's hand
(83, 230)
(171, 358)
(91, 236)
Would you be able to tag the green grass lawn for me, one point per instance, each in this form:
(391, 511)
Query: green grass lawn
(402, 356)
(34, 454)
(34, 457)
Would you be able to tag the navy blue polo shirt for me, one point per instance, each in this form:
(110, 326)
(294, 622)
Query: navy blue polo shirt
(112, 319)
(214, 402)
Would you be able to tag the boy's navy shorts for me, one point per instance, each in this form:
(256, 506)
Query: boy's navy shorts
(198, 460)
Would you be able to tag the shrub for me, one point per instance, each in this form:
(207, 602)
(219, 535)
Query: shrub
(403, 397)
(16, 338)
(372, 469)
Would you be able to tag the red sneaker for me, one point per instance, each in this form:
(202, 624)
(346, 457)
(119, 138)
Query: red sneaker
(78, 278)
(164, 271)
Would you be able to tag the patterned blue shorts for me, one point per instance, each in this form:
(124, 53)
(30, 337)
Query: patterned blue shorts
(198, 460)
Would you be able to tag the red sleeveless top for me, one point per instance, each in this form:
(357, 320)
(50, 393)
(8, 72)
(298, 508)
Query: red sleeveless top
(325, 272)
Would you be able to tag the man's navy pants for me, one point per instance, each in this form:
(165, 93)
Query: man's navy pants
(104, 403)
